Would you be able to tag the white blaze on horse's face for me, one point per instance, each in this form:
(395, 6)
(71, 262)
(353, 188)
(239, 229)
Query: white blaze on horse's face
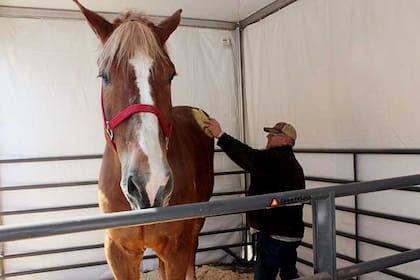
(156, 184)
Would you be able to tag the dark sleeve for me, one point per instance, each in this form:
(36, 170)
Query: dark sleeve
(251, 160)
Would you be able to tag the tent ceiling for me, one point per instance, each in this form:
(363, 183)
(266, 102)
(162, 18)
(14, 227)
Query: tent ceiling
(224, 10)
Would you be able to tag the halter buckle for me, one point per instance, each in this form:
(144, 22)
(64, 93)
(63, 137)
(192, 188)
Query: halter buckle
(109, 131)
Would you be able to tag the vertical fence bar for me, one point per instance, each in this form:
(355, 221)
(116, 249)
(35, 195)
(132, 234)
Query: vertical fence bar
(239, 61)
(324, 249)
(356, 214)
(2, 249)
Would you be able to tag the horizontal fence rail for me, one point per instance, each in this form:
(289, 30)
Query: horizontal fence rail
(85, 206)
(196, 210)
(378, 264)
(59, 158)
(85, 183)
(97, 263)
(360, 151)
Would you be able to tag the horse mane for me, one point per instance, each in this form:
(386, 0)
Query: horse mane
(133, 36)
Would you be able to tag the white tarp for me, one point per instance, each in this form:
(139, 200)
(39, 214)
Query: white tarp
(346, 74)
(232, 10)
(50, 106)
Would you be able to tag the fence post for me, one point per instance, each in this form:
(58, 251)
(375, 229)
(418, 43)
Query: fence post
(323, 220)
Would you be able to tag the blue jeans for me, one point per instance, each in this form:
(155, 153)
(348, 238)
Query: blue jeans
(274, 256)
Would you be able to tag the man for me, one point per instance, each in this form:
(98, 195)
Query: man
(274, 169)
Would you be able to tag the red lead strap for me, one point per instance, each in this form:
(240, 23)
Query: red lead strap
(127, 112)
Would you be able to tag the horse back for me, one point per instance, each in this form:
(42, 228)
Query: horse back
(190, 155)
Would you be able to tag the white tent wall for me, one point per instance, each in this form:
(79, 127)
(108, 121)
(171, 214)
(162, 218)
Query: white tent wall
(345, 73)
(51, 107)
(220, 10)
(354, 62)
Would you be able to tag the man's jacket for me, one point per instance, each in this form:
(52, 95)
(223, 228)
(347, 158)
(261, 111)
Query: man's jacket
(272, 170)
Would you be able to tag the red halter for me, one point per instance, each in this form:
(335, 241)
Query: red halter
(126, 113)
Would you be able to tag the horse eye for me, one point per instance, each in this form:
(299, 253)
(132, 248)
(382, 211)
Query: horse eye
(172, 76)
(105, 78)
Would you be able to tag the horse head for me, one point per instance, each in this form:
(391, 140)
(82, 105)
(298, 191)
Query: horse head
(136, 100)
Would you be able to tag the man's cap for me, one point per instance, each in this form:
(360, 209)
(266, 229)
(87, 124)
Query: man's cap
(284, 128)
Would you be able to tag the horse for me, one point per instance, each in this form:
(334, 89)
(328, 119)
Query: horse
(156, 155)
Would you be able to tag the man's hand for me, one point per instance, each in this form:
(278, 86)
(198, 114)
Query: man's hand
(214, 127)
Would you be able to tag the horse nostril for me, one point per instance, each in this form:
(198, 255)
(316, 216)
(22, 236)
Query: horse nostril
(164, 194)
(131, 187)
(137, 192)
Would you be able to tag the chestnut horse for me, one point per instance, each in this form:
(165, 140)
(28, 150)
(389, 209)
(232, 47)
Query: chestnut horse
(156, 155)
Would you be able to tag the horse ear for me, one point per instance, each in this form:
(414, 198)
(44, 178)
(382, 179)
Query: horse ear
(168, 25)
(99, 25)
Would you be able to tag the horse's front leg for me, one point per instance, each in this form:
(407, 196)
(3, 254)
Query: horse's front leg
(123, 260)
(177, 256)
(178, 265)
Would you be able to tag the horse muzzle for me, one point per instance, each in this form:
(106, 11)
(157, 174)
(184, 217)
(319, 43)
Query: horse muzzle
(145, 191)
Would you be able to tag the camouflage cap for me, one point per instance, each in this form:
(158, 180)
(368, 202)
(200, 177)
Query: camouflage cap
(284, 128)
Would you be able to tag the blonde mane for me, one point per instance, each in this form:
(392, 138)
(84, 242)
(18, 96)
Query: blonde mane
(132, 37)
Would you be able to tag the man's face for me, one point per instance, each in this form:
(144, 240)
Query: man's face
(278, 140)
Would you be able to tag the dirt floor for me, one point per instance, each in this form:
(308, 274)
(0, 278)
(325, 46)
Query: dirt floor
(207, 272)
